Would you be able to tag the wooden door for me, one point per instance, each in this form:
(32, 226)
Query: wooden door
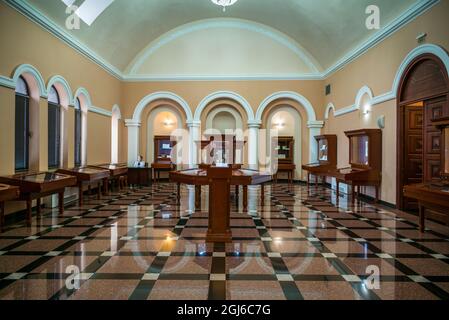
(435, 108)
(414, 147)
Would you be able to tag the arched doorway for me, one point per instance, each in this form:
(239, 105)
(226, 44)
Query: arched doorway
(422, 97)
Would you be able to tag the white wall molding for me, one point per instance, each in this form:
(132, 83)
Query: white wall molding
(159, 96)
(311, 115)
(329, 107)
(84, 96)
(61, 84)
(224, 95)
(116, 111)
(100, 111)
(259, 77)
(24, 69)
(7, 82)
(391, 95)
(132, 123)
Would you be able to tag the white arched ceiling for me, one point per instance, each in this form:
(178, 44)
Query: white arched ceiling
(223, 47)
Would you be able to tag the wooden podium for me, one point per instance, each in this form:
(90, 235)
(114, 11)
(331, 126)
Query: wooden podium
(219, 206)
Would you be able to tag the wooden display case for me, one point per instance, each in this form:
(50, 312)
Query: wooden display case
(221, 150)
(365, 158)
(285, 149)
(433, 197)
(327, 158)
(163, 146)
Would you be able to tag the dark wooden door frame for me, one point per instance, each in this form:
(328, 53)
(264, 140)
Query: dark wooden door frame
(401, 105)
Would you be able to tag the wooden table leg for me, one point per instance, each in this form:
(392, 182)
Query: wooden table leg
(308, 179)
(80, 194)
(377, 194)
(245, 198)
(106, 186)
(178, 193)
(338, 190)
(89, 190)
(237, 190)
(197, 198)
(353, 193)
(99, 191)
(61, 202)
(262, 194)
(29, 208)
(422, 218)
(38, 207)
(2, 215)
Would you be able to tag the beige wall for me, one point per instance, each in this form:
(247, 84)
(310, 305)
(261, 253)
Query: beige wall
(377, 69)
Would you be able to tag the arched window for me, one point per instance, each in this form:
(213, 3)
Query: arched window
(54, 128)
(78, 132)
(115, 134)
(22, 128)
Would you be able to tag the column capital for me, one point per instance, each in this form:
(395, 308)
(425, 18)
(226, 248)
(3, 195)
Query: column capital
(193, 124)
(132, 123)
(254, 124)
(315, 124)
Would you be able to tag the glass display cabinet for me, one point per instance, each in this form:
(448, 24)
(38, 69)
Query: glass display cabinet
(365, 158)
(433, 197)
(163, 146)
(327, 158)
(285, 149)
(221, 149)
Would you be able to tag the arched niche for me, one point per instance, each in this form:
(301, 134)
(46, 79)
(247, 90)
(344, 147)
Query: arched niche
(237, 117)
(295, 115)
(152, 124)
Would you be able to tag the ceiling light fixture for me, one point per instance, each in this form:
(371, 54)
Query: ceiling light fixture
(224, 3)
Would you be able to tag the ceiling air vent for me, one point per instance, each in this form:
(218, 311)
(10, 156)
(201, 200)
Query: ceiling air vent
(328, 89)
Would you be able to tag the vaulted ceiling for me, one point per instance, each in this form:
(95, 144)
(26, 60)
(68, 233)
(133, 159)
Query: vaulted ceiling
(326, 29)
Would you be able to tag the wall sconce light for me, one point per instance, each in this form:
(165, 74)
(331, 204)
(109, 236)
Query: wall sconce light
(366, 110)
(168, 123)
(280, 124)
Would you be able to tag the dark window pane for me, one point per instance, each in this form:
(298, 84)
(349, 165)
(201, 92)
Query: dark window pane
(78, 137)
(54, 135)
(22, 132)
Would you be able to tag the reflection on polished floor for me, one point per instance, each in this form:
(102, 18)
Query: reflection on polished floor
(141, 245)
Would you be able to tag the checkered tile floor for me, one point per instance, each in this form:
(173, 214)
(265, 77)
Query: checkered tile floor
(140, 244)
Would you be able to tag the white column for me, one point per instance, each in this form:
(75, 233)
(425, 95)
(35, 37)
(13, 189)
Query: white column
(253, 142)
(133, 139)
(314, 130)
(194, 136)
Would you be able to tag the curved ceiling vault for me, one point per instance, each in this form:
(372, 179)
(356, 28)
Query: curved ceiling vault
(319, 32)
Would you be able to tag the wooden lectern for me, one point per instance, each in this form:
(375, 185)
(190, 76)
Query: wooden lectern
(219, 180)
